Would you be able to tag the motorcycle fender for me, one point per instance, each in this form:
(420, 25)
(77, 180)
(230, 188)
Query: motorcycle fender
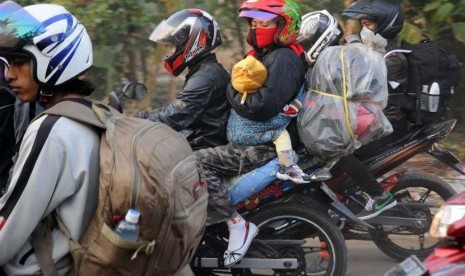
(447, 157)
(446, 259)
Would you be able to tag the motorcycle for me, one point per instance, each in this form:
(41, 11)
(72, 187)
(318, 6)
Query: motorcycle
(400, 231)
(447, 259)
(291, 240)
(403, 230)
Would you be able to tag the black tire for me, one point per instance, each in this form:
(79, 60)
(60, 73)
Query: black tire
(417, 183)
(313, 226)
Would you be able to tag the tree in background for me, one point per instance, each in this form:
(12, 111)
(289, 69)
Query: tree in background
(120, 31)
(444, 21)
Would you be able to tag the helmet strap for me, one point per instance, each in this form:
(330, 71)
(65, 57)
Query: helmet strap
(45, 97)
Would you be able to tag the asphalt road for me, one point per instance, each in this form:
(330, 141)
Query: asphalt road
(365, 259)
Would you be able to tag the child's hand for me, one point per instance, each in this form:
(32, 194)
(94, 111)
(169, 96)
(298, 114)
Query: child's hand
(248, 75)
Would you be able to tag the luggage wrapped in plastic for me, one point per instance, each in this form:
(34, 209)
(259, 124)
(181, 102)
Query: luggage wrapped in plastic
(343, 108)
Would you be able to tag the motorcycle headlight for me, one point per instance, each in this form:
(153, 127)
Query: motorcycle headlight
(445, 216)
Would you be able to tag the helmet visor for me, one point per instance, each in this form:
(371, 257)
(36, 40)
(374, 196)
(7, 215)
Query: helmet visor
(256, 14)
(348, 14)
(172, 32)
(17, 27)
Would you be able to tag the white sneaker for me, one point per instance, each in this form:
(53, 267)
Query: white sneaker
(231, 257)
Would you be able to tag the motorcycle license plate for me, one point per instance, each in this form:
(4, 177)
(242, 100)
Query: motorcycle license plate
(411, 266)
(328, 191)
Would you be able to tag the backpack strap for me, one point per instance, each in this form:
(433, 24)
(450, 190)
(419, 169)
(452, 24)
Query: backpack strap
(43, 246)
(40, 234)
(80, 110)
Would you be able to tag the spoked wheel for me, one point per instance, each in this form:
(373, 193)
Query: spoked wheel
(399, 242)
(321, 249)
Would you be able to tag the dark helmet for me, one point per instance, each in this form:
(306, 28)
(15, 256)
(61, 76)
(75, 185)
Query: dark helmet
(287, 13)
(319, 30)
(194, 32)
(387, 14)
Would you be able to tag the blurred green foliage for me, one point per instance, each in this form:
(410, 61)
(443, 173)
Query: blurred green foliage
(120, 29)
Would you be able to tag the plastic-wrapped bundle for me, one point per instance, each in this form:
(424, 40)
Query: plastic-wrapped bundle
(343, 107)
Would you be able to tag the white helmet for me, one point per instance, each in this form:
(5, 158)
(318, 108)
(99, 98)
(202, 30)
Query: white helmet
(319, 30)
(56, 41)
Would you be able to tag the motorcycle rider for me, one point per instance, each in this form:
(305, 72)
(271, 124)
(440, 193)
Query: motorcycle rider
(381, 22)
(319, 31)
(274, 47)
(49, 53)
(7, 135)
(248, 76)
(16, 116)
(200, 110)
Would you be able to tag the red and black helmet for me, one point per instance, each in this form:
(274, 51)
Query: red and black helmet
(194, 33)
(286, 11)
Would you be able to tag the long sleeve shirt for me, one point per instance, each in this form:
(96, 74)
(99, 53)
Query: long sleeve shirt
(64, 179)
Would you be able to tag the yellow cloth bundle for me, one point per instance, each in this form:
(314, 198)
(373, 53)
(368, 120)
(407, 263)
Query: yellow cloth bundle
(248, 75)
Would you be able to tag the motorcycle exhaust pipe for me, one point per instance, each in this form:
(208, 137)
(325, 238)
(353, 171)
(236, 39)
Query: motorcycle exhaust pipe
(254, 263)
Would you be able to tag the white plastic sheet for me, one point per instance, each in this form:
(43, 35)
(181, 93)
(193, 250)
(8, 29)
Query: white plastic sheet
(343, 107)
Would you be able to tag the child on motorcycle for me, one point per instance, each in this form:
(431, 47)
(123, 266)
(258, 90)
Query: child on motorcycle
(273, 28)
(248, 76)
(320, 30)
(381, 22)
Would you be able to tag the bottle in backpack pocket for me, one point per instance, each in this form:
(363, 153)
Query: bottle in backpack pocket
(433, 101)
(424, 96)
(127, 228)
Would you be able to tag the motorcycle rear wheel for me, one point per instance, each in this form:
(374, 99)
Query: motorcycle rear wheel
(401, 243)
(324, 251)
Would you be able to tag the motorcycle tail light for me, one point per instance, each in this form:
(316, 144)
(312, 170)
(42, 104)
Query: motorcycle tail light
(445, 216)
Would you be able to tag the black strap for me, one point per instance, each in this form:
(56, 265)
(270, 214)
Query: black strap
(40, 231)
(42, 135)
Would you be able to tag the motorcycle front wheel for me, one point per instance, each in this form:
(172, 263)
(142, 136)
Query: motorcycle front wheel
(322, 251)
(401, 242)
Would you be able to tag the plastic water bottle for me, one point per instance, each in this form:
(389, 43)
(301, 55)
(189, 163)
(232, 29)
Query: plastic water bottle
(424, 97)
(127, 228)
(433, 103)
